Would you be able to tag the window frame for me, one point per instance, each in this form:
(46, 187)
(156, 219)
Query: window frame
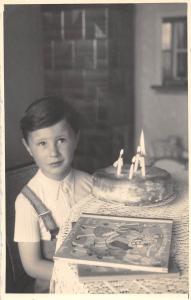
(166, 11)
(174, 50)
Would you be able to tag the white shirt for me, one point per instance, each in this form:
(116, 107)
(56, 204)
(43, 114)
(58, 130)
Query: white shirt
(58, 197)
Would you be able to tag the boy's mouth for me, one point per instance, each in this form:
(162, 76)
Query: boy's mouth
(56, 163)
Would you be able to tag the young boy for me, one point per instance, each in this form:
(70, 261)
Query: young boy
(50, 130)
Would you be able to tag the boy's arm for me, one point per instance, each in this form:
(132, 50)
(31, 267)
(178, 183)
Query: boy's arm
(32, 261)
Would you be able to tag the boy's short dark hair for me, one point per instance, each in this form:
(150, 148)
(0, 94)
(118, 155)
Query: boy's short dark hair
(46, 112)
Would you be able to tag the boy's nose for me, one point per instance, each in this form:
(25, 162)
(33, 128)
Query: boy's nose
(54, 150)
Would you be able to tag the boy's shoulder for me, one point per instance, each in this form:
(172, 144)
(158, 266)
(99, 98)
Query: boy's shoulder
(35, 182)
(35, 179)
(20, 200)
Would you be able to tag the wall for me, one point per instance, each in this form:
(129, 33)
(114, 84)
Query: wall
(159, 114)
(91, 65)
(23, 73)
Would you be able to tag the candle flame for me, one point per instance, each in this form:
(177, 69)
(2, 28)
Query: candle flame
(142, 143)
(121, 152)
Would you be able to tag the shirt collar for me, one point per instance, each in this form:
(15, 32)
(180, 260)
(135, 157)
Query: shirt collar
(68, 180)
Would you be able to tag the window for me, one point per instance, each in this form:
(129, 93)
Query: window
(174, 51)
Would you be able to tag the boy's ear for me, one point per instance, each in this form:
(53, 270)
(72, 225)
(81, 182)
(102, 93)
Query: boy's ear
(27, 146)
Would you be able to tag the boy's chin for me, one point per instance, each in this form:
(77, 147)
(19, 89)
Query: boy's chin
(57, 174)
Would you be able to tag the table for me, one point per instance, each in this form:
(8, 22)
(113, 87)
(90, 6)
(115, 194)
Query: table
(65, 280)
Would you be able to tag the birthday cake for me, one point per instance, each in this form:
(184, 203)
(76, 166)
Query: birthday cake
(155, 188)
(134, 184)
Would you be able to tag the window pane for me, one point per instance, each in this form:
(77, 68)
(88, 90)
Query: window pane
(181, 32)
(182, 65)
(166, 36)
(167, 67)
(174, 49)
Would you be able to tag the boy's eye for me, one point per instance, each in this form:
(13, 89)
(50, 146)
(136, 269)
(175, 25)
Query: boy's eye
(42, 143)
(62, 140)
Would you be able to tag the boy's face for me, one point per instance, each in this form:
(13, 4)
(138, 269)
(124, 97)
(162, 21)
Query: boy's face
(53, 149)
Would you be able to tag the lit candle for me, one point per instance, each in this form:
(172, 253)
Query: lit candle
(119, 163)
(142, 162)
(132, 168)
(137, 158)
(142, 143)
(143, 152)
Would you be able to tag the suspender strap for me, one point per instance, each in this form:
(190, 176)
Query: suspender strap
(41, 210)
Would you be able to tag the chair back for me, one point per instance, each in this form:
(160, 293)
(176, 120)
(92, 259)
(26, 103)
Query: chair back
(15, 180)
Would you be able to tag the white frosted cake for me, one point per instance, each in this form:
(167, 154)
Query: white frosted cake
(156, 187)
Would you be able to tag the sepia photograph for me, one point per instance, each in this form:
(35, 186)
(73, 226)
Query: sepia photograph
(95, 114)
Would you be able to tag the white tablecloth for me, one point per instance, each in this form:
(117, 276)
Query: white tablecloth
(65, 279)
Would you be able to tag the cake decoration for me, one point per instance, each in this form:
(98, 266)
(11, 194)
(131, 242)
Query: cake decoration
(134, 184)
(139, 159)
(119, 163)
